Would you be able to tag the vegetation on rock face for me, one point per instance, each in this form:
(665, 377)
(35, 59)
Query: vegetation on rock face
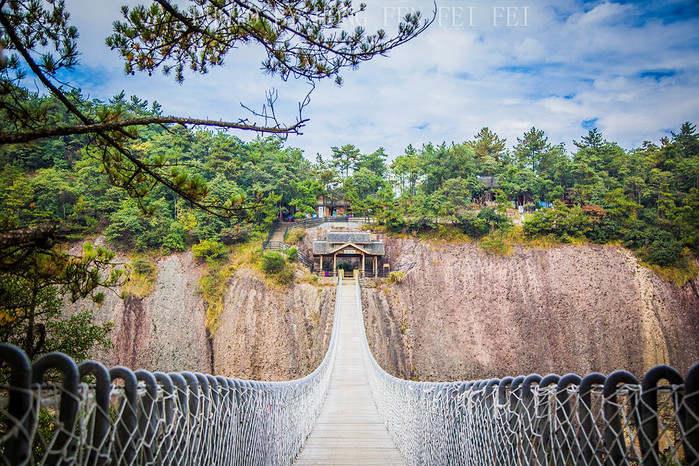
(295, 236)
(209, 250)
(274, 265)
(213, 289)
(141, 280)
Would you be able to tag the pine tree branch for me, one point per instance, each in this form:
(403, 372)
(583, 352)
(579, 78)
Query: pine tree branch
(42, 235)
(99, 127)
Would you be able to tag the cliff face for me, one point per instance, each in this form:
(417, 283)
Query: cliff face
(459, 314)
(272, 334)
(265, 333)
(464, 314)
(164, 331)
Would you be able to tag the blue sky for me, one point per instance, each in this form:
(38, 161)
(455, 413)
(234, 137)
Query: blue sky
(631, 69)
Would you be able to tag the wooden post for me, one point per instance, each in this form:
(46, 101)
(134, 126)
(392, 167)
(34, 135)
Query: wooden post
(363, 266)
(321, 264)
(335, 262)
(376, 264)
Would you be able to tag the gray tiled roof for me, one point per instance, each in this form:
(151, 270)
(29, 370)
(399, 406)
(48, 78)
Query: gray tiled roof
(356, 237)
(325, 247)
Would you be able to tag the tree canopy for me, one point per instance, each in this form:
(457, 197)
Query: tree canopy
(305, 40)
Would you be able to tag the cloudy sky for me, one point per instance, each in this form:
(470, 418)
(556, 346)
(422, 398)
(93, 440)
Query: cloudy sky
(631, 69)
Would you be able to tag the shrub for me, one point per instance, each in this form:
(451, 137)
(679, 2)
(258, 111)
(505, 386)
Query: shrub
(143, 267)
(345, 266)
(487, 220)
(174, 241)
(209, 250)
(605, 231)
(473, 226)
(272, 262)
(237, 234)
(310, 278)
(396, 277)
(141, 281)
(494, 245)
(274, 265)
(286, 276)
(561, 222)
(292, 254)
(665, 249)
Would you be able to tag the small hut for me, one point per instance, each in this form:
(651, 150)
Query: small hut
(356, 248)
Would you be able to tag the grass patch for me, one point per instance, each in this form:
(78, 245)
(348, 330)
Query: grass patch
(213, 287)
(516, 236)
(395, 277)
(309, 278)
(448, 233)
(214, 284)
(495, 244)
(682, 271)
(142, 277)
(295, 236)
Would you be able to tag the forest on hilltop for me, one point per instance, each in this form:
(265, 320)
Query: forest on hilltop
(647, 198)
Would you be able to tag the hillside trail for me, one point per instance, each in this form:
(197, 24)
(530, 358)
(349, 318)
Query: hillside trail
(278, 234)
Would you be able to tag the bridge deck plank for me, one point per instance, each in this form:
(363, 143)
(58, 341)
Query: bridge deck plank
(349, 430)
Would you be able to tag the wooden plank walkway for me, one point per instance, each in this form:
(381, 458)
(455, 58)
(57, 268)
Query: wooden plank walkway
(349, 430)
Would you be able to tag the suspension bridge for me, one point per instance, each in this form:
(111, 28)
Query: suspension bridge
(348, 411)
(349, 429)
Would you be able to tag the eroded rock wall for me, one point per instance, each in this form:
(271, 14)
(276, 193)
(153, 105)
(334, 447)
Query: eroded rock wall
(265, 333)
(269, 333)
(463, 314)
(459, 314)
(164, 331)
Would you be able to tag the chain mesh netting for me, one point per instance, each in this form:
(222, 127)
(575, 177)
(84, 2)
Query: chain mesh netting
(57, 412)
(535, 420)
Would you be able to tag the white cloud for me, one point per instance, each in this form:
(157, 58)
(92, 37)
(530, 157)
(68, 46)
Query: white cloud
(567, 65)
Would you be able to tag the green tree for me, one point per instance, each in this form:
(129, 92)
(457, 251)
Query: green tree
(408, 171)
(30, 305)
(454, 197)
(306, 194)
(345, 159)
(488, 151)
(531, 148)
(300, 40)
(129, 228)
(374, 162)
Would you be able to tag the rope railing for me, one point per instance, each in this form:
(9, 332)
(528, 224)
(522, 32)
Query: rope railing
(55, 411)
(535, 420)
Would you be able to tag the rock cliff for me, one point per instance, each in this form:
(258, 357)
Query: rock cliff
(463, 314)
(265, 333)
(164, 331)
(272, 334)
(459, 314)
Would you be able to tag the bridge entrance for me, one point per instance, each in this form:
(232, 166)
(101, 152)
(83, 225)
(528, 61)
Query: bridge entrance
(349, 430)
(355, 248)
